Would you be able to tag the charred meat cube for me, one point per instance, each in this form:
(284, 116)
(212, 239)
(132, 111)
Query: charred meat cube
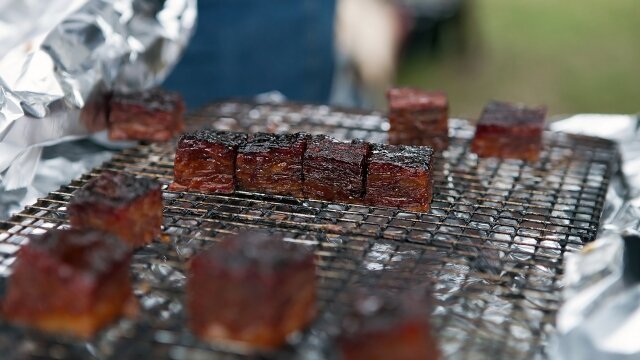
(263, 289)
(272, 164)
(334, 170)
(206, 160)
(70, 281)
(509, 131)
(123, 204)
(400, 176)
(153, 115)
(418, 117)
(382, 326)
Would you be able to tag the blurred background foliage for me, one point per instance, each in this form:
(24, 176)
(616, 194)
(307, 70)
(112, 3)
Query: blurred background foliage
(575, 56)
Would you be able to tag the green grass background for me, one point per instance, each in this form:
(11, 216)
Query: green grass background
(574, 56)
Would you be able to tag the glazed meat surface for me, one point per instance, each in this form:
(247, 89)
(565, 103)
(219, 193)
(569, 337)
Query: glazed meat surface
(335, 170)
(70, 281)
(418, 117)
(509, 131)
(400, 176)
(153, 115)
(120, 203)
(264, 290)
(206, 161)
(272, 164)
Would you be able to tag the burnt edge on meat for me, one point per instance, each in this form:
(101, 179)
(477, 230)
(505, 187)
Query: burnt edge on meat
(414, 157)
(500, 113)
(227, 138)
(114, 189)
(155, 99)
(263, 142)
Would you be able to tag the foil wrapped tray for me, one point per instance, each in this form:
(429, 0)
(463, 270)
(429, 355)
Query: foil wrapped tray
(491, 248)
(60, 58)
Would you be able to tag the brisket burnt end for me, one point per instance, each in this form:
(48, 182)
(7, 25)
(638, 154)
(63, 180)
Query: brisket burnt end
(418, 117)
(335, 170)
(70, 281)
(120, 203)
(272, 164)
(264, 289)
(400, 176)
(509, 131)
(153, 115)
(206, 161)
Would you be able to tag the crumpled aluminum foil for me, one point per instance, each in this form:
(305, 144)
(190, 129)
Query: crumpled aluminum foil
(61, 56)
(600, 318)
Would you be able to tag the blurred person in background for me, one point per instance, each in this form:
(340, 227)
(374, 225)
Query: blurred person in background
(246, 47)
(373, 35)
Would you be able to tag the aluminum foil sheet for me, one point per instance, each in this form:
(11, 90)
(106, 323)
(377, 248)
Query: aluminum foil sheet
(600, 318)
(60, 57)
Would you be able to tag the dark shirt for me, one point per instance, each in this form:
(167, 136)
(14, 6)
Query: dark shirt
(245, 47)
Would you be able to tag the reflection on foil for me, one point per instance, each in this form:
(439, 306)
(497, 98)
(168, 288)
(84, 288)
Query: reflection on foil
(59, 165)
(600, 318)
(61, 59)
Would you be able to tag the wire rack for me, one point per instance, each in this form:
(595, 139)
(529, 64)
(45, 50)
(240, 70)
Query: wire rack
(490, 249)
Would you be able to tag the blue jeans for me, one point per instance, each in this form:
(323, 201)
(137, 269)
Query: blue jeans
(245, 47)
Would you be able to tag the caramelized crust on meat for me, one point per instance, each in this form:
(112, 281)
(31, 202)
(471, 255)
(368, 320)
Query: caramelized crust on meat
(153, 115)
(70, 281)
(119, 203)
(418, 117)
(335, 170)
(206, 160)
(272, 164)
(264, 290)
(509, 131)
(400, 176)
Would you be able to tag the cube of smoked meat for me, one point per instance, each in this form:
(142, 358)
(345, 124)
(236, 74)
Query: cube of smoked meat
(272, 164)
(252, 288)
(509, 131)
(205, 161)
(384, 326)
(334, 170)
(70, 281)
(153, 115)
(418, 117)
(400, 176)
(119, 203)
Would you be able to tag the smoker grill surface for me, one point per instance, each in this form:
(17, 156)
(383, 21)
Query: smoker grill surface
(491, 246)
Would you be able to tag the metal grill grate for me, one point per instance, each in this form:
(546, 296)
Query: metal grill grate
(491, 247)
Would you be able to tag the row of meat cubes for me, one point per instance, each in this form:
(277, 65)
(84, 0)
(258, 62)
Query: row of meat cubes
(504, 130)
(305, 166)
